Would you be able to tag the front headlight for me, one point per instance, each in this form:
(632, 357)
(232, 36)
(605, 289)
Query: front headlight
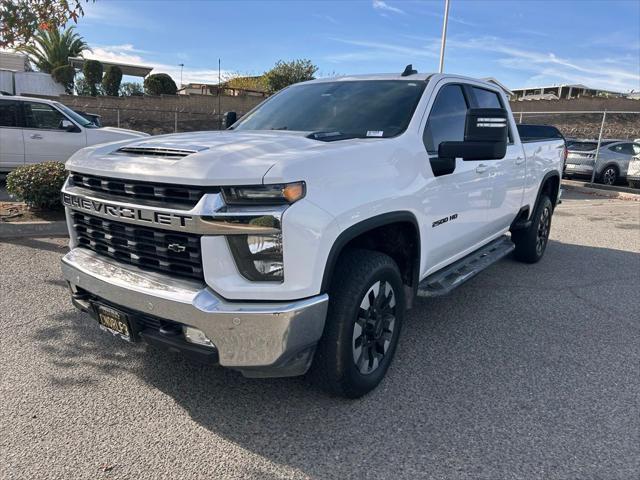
(258, 253)
(277, 194)
(258, 257)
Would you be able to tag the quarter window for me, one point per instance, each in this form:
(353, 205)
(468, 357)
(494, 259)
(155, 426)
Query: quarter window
(41, 115)
(446, 121)
(8, 114)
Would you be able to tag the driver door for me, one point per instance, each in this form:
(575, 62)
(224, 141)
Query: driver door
(44, 138)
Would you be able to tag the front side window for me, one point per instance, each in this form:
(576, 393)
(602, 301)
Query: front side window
(447, 118)
(636, 149)
(361, 108)
(41, 115)
(8, 114)
(486, 98)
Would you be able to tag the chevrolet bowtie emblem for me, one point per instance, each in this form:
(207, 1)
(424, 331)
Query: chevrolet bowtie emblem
(176, 247)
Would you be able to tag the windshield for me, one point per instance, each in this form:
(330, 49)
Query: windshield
(75, 117)
(367, 108)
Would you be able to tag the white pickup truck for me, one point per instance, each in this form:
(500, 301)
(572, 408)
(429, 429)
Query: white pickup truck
(297, 239)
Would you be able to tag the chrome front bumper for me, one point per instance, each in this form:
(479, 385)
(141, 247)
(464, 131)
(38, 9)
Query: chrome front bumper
(259, 339)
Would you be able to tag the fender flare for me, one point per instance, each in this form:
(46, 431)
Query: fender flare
(548, 175)
(364, 226)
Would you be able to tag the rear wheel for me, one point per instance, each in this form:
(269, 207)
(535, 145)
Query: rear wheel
(531, 242)
(609, 175)
(366, 309)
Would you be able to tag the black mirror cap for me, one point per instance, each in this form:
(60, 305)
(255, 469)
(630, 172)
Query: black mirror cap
(229, 119)
(473, 150)
(486, 125)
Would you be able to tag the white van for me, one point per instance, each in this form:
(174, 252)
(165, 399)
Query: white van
(34, 130)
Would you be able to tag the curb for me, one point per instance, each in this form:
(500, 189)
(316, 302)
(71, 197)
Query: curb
(34, 229)
(619, 193)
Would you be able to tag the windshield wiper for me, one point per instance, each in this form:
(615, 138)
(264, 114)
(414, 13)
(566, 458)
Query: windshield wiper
(333, 136)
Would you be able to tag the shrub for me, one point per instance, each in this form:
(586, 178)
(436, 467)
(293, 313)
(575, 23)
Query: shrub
(284, 74)
(92, 71)
(160, 84)
(38, 185)
(111, 80)
(64, 75)
(131, 89)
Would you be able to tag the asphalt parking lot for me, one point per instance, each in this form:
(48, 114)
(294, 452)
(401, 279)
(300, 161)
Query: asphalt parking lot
(525, 372)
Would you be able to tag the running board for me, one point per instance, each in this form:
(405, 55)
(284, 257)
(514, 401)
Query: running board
(454, 275)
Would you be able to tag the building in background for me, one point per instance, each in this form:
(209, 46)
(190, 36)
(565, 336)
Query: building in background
(565, 91)
(16, 77)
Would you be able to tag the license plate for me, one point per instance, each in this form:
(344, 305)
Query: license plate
(114, 322)
(571, 165)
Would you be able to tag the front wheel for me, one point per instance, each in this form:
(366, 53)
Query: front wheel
(366, 309)
(531, 242)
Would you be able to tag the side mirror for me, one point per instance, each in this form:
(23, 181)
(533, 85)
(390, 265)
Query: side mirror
(67, 125)
(485, 136)
(229, 119)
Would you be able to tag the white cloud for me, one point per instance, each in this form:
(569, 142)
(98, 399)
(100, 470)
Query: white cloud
(385, 7)
(620, 73)
(127, 53)
(380, 50)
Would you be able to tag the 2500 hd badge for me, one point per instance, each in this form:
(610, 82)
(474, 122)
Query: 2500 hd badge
(126, 213)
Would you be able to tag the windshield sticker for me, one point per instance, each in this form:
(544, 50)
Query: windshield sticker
(375, 133)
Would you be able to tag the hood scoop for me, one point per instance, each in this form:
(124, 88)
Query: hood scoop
(165, 151)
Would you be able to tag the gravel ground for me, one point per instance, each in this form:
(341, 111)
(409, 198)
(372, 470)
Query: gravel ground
(525, 372)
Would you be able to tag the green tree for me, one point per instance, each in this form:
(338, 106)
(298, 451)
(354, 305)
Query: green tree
(131, 89)
(21, 19)
(64, 75)
(160, 84)
(92, 70)
(284, 73)
(111, 80)
(52, 48)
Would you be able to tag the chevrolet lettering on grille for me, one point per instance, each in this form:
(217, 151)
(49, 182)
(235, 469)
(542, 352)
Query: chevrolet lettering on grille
(126, 213)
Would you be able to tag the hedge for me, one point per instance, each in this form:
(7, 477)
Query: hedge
(38, 185)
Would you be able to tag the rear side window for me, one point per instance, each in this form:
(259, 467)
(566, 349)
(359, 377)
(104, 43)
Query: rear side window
(623, 148)
(41, 115)
(532, 133)
(8, 114)
(447, 118)
(486, 98)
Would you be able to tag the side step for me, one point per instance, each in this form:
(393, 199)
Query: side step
(454, 275)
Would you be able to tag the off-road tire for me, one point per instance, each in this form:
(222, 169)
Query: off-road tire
(334, 367)
(527, 240)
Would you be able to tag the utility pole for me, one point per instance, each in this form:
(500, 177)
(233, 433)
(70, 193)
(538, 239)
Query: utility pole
(219, 97)
(444, 35)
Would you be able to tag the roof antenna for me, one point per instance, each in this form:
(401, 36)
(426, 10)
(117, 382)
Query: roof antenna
(408, 70)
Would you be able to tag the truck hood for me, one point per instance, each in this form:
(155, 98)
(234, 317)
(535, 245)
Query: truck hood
(200, 158)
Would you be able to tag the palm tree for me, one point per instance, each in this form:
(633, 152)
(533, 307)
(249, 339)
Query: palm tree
(52, 49)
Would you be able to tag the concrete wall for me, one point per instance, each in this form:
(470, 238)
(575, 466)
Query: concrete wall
(584, 125)
(158, 115)
(584, 104)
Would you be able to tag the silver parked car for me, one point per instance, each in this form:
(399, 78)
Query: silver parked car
(613, 159)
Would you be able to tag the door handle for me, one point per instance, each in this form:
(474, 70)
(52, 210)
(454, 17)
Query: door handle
(519, 160)
(36, 136)
(482, 168)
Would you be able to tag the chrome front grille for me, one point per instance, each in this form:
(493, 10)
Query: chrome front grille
(139, 190)
(148, 248)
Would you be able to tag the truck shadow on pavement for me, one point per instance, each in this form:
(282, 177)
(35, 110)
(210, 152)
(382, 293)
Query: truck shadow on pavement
(511, 372)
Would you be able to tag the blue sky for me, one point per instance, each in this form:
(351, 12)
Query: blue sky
(521, 43)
